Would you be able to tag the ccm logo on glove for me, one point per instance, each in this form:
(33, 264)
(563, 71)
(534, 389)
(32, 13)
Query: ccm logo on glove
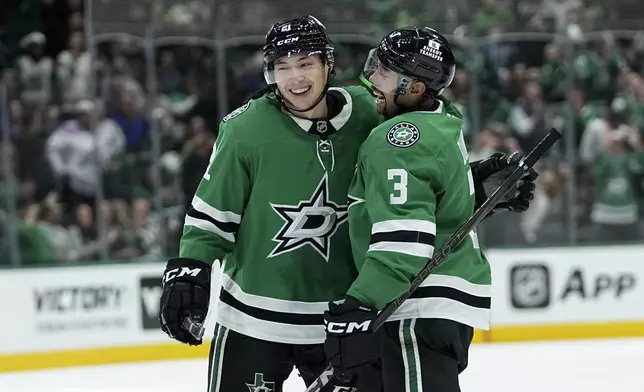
(183, 271)
(346, 328)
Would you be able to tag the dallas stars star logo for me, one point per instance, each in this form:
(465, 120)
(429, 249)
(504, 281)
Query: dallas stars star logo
(403, 134)
(259, 385)
(311, 222)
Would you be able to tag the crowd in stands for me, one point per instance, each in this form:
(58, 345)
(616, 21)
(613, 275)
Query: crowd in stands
(101, 148)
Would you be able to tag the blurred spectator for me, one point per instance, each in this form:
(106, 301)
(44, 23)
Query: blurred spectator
(497, 53)
(78, 154)
(131, 121)
(528, 117)
(50, 216)
(74, 70)
(554, 73)
(35, 71)
(11, 188)
(554, 15)
(148, 231)
(33, 169)
(251, 78)
(615, 210)
(170, 79)
(493, 14)
(17, 118)
(87, 243)
(494, 138)
(122, 239)
(119, 82)
(594, 136)
(196, 156)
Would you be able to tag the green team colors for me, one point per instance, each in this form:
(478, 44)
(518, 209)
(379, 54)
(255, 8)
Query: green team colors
(616, 197)
(412, 189)
(273, 206)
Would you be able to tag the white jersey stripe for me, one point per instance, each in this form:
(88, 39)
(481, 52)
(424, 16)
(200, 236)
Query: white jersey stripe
(404, 224)
(271, 331)
(443, 308)
(208, 226)
(220, 216)
(416, 353)
(460, 284)
(405, 357)
(218, 360)
(276, 305)
(409, 248)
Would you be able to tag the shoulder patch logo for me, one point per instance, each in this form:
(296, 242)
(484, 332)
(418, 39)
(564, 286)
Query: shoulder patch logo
(237, 112)
(403, 135)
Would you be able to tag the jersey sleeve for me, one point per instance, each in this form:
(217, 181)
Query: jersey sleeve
(401, 187)
(213, 220)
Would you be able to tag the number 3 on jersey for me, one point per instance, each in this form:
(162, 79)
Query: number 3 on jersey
(399, 176)
(399, 195)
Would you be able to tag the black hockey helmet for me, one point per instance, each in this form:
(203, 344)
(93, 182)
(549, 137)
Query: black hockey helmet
(416, 53)
(301, 35)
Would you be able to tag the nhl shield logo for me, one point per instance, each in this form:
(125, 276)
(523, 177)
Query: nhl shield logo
(403, 135)
(321, 126)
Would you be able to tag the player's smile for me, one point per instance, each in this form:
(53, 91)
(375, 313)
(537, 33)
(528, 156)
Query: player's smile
(299, 90)
(301, 95)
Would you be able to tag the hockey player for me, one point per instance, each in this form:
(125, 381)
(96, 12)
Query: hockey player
(273, 206)
(412, 189)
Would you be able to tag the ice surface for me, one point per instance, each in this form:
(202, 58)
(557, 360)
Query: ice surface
(576, 366)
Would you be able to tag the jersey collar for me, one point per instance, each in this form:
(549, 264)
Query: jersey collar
(338, 121)
(439, 109)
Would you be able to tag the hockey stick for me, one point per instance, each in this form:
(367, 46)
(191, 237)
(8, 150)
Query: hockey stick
(524, 166)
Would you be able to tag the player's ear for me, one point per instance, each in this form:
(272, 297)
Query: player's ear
(417, 88)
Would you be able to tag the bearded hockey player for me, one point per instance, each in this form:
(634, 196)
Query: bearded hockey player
(412, 189)
(273, 206)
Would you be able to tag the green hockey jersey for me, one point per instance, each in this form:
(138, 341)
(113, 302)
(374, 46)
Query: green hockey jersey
(273, 206)
(412, 189)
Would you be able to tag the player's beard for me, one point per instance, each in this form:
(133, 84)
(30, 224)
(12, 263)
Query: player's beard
(385, 104)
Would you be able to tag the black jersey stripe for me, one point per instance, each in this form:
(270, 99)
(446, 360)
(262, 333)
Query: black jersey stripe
(420, 237)
(226, 227)
(453, 294)
(270, 315)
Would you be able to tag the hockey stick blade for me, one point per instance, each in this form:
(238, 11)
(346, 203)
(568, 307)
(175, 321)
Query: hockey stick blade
(463, 231)
(195, 328)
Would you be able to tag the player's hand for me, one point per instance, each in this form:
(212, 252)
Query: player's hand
(502, 165)
(350, 341)
(186, 292)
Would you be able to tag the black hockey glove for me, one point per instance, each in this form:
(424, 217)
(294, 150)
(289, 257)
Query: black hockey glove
(500, 166)
(186, 292)
(350, 341)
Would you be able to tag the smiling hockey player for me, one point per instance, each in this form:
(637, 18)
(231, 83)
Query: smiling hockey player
(273, 206)
(412, 189)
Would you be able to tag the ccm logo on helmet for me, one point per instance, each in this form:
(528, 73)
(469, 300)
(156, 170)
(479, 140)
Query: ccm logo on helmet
(288, 41)
(350, 327)
(179, 272)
